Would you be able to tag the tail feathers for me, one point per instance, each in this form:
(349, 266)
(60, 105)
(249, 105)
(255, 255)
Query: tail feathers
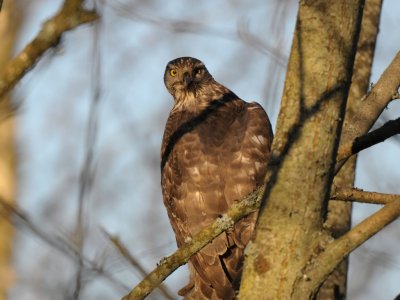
(215, 271)
(199, 290)
(211, 287)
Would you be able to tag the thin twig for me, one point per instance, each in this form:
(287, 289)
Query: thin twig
(358, 195)
(374, 137)
(134, 262)
(244, 34)
(189, 26)
(60, 243)
(71, 15)
(87, 172)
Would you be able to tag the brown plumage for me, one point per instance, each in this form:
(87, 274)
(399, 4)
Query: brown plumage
(214, 152)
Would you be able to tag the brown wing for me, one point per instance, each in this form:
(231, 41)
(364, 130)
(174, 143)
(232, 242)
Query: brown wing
(209, 160)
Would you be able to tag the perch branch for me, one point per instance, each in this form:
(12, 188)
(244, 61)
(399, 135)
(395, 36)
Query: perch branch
(71, 15)
(181, 256)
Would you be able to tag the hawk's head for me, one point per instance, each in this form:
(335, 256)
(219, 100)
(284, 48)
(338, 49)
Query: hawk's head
(186, 77)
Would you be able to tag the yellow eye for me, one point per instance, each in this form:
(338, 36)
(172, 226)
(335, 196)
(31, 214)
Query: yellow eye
(199, 71)
(173, 72)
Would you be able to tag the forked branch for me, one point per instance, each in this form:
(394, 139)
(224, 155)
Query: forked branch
(322, 265)
(384, 91)
(71, 15)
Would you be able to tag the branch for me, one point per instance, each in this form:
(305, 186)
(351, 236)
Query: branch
(133, 261)
(169, 264)
(358, 195)
(71, 15)
(374, 137)
(321, 266)
(370, 107)
(249, 204)
(60, 243)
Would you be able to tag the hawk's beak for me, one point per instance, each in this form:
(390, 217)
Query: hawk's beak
(187, 79)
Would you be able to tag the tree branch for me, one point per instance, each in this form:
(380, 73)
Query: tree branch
(169, 264)
(358, 195)
(374, 137)
(370, 107)
(71, 15)
(134, 262)
(60, 243)
(322, 265)
(249, 204)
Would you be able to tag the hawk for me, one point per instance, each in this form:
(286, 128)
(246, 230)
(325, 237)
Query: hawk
(214, 152)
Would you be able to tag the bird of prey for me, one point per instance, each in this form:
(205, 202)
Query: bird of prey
(214, 152)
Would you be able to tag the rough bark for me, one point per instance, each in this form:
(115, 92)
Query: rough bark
(290, 227)
(10, 20)
(339, 213)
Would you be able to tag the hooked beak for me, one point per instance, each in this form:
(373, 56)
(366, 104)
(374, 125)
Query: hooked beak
(187, 79)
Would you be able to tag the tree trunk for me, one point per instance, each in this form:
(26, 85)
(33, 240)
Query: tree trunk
(339, 212)
(290, 226)
(9, 22)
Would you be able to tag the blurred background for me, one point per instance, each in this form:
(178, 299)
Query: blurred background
(89, 125)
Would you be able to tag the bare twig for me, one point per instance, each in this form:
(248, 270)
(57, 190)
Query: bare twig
(374, 137)
(60, 243)
(257, 43)
(87, 171)
(189, 26)
(71, 15)
(358, 195)
(169, 264)
(134, 262)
